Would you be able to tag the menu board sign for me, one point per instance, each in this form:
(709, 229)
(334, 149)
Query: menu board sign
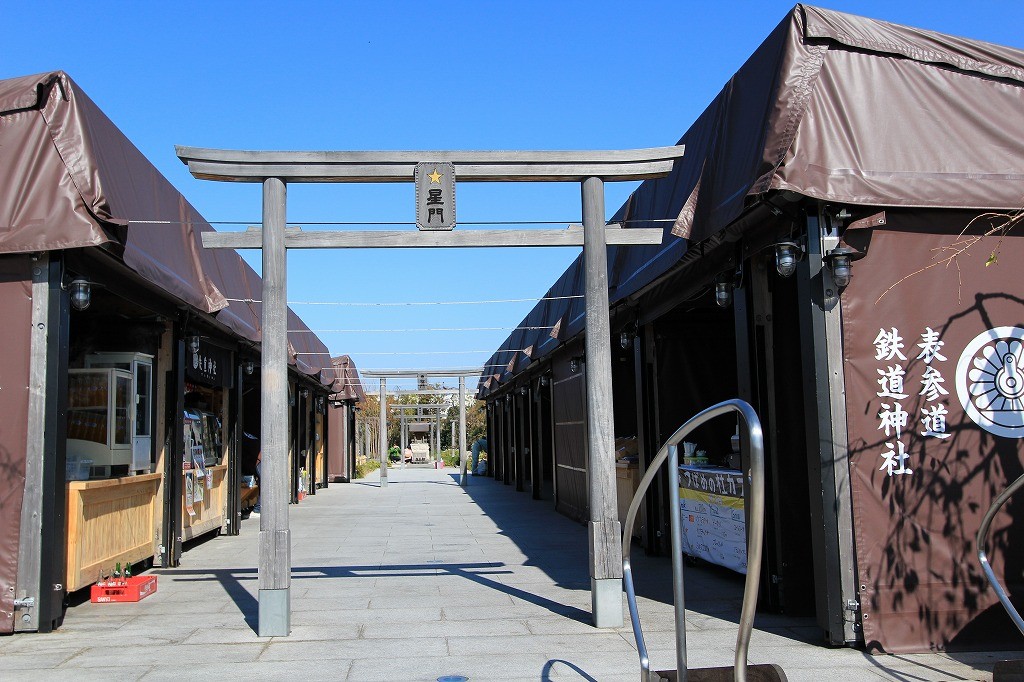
(713, 517)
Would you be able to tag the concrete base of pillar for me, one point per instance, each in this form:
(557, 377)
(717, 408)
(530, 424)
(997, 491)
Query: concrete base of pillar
(275, 613)
(606, 602)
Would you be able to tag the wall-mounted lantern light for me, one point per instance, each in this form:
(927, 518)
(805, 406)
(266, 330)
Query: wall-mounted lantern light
(723, 290)
(787, 254)
(81, 293)
(522, 390)
(249, 367)
(304, 392)
(627, 335)
(193, 343)
(575, 363)
(840, 261)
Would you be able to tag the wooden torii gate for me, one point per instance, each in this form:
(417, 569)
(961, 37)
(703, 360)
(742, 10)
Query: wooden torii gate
(276, 169)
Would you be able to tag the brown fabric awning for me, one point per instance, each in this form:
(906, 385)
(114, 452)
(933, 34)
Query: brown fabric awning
(833, 107)
(71, 179)
(346, 383)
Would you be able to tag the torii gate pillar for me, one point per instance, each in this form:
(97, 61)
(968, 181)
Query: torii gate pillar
(275, 556)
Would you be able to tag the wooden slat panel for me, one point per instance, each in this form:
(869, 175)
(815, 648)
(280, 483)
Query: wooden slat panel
(570, 439)
(209, 514)
(572, 493)
(108, 522)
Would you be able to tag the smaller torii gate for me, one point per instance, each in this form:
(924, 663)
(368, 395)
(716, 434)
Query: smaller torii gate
(434, 435)
(461, 373)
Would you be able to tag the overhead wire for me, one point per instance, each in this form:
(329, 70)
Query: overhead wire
(416, 330)
(420, 352)
(355, 304)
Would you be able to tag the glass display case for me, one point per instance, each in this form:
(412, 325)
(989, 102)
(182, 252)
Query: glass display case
(100, 419)
(140, 365)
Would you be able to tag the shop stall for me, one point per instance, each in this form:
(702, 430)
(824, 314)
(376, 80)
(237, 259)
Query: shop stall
(847, 270)
(133, 389)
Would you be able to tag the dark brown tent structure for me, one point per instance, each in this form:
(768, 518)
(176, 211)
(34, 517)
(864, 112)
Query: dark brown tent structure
(346, 394)
(841, 136)
(81, 208)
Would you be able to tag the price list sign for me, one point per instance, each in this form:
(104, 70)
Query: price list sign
(713, 522)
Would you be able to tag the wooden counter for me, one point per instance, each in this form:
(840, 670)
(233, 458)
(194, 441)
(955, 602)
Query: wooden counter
(109, 521)
(209, 513)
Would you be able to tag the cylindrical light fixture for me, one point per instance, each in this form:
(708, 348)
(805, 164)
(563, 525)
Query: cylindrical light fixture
(840, 261)
(81, 293)
(786, 256)
(723, 290)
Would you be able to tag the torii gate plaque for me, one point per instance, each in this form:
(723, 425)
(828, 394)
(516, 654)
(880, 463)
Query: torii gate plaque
(274, 169)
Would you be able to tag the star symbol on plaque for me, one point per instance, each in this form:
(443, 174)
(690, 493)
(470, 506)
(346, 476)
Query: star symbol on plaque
(434, 177)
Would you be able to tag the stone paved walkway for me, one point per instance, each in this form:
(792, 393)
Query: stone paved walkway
(421, 581)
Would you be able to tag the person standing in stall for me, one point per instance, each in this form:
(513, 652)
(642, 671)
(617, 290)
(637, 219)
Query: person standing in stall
(259, 483)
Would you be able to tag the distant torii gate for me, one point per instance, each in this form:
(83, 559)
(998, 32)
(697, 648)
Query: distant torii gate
(434, 430)
(274, 169)
(461, 373)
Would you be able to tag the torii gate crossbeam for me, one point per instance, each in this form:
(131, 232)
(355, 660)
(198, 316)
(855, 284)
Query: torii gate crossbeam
(275, 169)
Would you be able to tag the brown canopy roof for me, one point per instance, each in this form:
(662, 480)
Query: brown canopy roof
(71, 179)
(346, 385)
(833, 107)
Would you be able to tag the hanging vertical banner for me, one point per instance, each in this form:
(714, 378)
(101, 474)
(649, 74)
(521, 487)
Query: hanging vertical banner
(935, 413)
(435, 196)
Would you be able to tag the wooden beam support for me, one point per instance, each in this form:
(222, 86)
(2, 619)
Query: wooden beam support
(463, 481)
(383, 432)
(417, 239)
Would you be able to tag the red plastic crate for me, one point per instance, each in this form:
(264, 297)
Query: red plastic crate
(124, 589)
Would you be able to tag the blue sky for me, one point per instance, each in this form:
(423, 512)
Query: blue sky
(415, 75)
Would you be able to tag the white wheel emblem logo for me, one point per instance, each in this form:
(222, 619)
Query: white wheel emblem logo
(990, 381)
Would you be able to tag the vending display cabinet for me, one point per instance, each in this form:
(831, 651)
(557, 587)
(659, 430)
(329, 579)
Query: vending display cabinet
(140, 365)
(100, 419)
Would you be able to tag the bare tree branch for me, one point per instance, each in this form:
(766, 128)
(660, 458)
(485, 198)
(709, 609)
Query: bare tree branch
(963, 245)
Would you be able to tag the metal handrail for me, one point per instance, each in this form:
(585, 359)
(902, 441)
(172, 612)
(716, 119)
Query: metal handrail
(982, 541)
(755, 538)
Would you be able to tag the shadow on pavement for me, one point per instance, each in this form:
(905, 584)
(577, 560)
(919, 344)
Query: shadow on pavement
(232, 580)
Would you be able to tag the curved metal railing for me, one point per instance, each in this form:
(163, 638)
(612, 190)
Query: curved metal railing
(755, 538)
(983, 554)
